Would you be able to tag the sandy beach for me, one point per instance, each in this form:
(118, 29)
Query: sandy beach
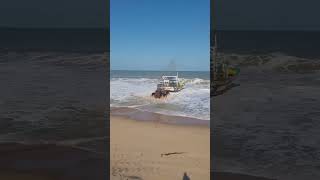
(150, 150)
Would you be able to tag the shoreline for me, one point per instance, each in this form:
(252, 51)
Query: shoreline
(140, 115)
(236, 176)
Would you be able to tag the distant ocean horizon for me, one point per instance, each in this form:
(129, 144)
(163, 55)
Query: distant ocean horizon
(294, 43)
(82, 40)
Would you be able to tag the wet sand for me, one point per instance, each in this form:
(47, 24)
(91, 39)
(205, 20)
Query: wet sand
(135, 114)
(151, 150)
(233, 176)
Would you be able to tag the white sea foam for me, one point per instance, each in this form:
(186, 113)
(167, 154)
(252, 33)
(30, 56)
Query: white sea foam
(273, 61)
(193, 101)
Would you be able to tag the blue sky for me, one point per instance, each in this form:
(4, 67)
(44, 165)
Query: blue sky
(149, 34)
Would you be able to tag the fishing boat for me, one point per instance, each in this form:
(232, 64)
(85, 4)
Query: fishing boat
(224, 77)
(168, 84)
(222, 74)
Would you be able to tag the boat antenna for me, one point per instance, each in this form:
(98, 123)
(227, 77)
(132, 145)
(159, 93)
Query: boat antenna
(215, 44)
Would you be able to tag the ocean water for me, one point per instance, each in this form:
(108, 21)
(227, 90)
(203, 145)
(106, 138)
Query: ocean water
(276, 51)
(133, 89)
(54, 87)
(294, 43)
(54, 39)
(268, 126)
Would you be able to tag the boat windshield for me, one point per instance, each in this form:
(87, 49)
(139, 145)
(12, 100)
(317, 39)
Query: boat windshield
(170, 78)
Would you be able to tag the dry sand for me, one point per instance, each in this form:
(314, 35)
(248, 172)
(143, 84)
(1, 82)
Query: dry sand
(141, 150)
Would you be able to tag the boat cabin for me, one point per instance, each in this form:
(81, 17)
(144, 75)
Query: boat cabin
(169, 83)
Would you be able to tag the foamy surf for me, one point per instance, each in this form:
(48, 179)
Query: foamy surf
(275, 61)
(193, 101)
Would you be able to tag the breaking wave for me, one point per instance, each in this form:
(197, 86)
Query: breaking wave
(193, 101)
(57, 58)
(273, 61)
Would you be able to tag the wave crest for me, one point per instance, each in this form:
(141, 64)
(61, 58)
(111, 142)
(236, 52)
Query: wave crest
(273, 61)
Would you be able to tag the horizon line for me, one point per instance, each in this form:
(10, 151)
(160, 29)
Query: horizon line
(211, 29)
(159, 70)
(292, 30)
(11, 27)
